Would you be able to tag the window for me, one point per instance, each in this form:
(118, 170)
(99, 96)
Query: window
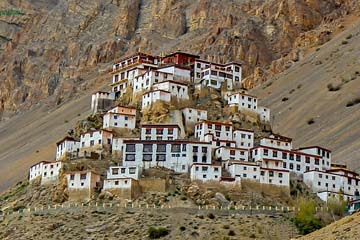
(83, 176)
(232, 152)
(204, 176)
(280, 175)
(92, 143)
(170, 131)
(317, 161)
(298, 158)
(284, 165)
(160, 157)
(175, 148)
(126, 118)
(115, 117)
(291, 166)
(274, 153)
(72, 177)
(244, 175)
(114, 171)
(130, 147)
(123, 170)
(237, 69)
(204, 169)
(161, 148)
(148, 131)
(147, 148)
(271, 173)
(132, 170)
(159, 131)
(291, 155)
(262, 173)
(204, 149)
(216, 169)
(266, 152)
(284, 155)
(130, 157)
(147, 157)
(298, 167)
(307, 159)
(116, 182)
(195, 148)
(320, 175)
(204, 159)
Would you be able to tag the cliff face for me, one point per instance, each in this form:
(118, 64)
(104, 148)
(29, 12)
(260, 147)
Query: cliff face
(50, 51)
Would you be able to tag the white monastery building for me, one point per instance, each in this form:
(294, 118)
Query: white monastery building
(220, 130)
(68, 147)
(101, 101)
(205, 172)
(192, 115)
(177, 155)
(47, 171)
(160, 132)
(120, 117)
(244, 138)
(151, 97)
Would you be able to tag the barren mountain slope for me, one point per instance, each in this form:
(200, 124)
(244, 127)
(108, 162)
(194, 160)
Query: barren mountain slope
(302, 94)
(30, 137)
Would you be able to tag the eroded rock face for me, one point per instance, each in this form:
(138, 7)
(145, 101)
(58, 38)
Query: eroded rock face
(50, 46)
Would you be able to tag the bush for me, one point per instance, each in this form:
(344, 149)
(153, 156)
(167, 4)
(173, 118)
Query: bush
(231, 233)
(337, 206)
(349, 36)
(284, 99)
(353, 102)
(157, 232)
(299, 86)
(182, 228)
(332, 88)
(211, 216)
(226, 227)
(305, 219)
(310, 121)
(183, 198)
(344, 42)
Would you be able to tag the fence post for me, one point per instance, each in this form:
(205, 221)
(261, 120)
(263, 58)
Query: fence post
(243, 207)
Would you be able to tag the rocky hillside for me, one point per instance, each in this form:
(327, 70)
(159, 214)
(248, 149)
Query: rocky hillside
(345, 228)
(53, 50)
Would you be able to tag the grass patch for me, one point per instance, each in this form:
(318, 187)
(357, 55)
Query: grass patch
(157, 232)
(10, 12)
(353, 102)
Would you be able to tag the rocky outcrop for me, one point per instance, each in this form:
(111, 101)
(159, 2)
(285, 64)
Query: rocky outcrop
(57, 49)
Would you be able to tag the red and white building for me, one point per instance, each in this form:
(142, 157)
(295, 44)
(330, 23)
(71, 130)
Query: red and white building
(335, 182)
(244, 170)
(205, 172)
(81, 184)
(67, 148)
(244, 138)
(120, 117)
(126, 69)
(220, 130)
(243, 101)
(277, 141)
(160, 132)
(119, 177)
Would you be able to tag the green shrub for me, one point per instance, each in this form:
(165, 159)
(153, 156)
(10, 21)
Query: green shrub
(231, 233)
(344, 42)
(211, 215)
(305, 219)
(310, 121)
(353, 102)
(332, 88)
(157, 232)
(337, 206)
(182, 228)
(284, 99)
(349, 36)
(183, 198)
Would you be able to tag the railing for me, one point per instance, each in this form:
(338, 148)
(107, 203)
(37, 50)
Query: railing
(242, 209)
